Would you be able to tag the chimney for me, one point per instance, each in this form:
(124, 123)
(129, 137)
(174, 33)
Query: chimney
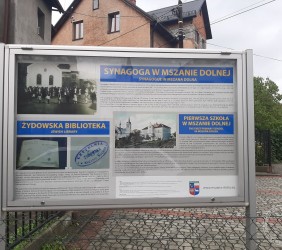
(133, 1)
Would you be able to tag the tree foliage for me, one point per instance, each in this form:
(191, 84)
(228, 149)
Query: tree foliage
(268, 109)
(268, 113)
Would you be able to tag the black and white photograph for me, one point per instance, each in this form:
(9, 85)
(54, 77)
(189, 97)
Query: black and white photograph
(41, 153)
(49, 87)
(138, 130)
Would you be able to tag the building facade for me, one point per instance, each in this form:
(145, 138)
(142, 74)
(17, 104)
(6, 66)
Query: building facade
(44, 75)
(27, 22)
(156, 131)
(122, 132)
(196, 25)
(123, 23)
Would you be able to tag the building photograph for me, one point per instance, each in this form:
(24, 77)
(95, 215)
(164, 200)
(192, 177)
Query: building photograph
(47, 87)
(139, 130)
(156, 131)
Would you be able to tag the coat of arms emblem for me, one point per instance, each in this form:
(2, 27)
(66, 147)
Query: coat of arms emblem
(194, 187)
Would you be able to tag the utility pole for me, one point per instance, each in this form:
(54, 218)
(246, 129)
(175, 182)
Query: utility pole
(180, 24)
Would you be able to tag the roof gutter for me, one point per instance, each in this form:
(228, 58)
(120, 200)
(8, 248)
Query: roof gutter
(56, 4)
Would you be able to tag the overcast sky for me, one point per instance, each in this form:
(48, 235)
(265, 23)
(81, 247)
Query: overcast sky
(259, 29)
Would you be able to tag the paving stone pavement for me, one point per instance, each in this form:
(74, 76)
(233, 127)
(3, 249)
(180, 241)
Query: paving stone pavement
(187, 228)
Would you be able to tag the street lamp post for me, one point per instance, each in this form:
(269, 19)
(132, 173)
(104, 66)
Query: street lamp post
(180, 24)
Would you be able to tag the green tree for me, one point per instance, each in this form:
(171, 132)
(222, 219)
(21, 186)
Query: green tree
(268, 115)
(268, 109)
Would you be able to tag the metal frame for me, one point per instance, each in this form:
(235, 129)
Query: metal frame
(5, 127)
(250, 144)
(2, 214)
(243, 71)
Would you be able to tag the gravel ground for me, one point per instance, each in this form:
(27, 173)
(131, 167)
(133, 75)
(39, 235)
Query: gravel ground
(187, 228)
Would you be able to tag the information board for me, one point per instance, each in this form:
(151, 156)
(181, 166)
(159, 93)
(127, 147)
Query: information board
(119, 127)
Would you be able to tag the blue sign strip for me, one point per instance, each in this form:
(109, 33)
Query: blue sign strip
(206, 124)
(113, 73)
(63, 127)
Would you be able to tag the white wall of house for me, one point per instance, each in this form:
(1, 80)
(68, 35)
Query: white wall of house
(162, 133)
(45, 70)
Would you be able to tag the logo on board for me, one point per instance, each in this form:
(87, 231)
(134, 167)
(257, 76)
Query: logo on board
(194, 187)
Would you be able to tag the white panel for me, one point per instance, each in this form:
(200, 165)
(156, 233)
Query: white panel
(88, 168)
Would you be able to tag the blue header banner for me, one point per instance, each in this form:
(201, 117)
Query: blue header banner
(63, 127)
(113, 73)
(206, 124)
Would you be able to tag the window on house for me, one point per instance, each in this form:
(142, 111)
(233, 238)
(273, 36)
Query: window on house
(38, 79)
(95, 4)
(40, 23)
(197, 37)
(204, 45)
(114, 22)
(51, 80)
(77, 30)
